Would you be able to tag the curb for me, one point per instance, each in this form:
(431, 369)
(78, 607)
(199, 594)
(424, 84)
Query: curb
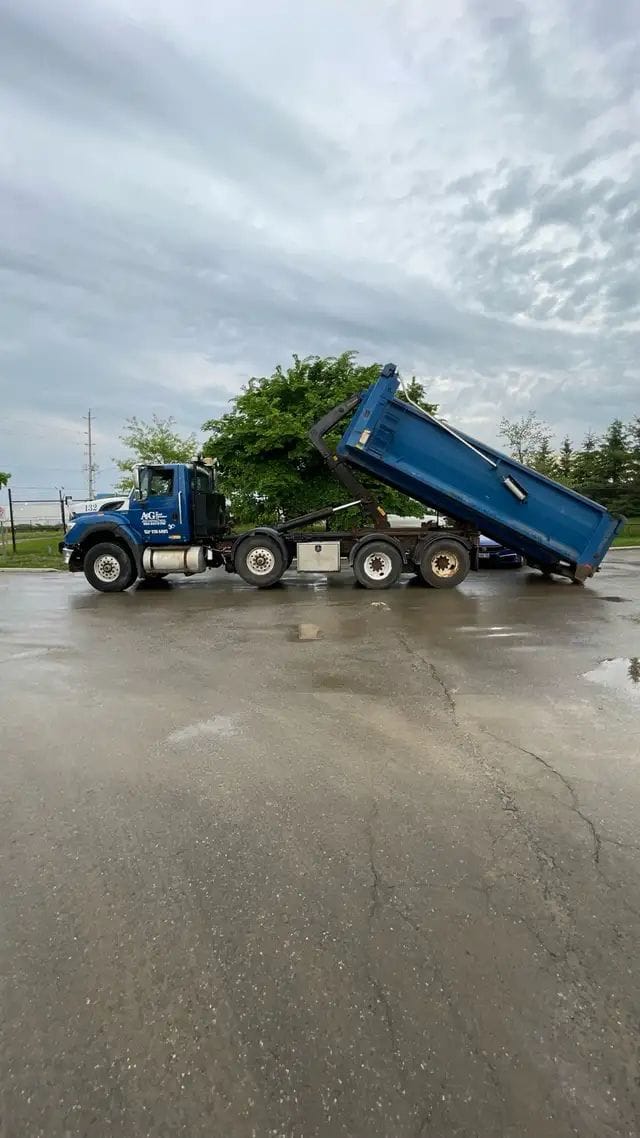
(28, 569)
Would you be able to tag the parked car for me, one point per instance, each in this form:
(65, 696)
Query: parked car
(494, 554)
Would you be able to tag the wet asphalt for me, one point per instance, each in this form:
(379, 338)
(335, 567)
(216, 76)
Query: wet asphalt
(319, 861)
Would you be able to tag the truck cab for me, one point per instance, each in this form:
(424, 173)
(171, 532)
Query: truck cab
(174, 511)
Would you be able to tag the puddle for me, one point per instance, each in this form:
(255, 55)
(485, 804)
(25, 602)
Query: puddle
(308, 632)
(621, 673)
(223, 726)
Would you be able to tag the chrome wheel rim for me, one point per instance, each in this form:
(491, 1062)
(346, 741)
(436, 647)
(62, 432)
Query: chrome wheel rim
(107, 568)
(261, 561)
(378, 566)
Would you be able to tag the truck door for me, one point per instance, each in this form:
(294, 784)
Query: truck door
(163, 515)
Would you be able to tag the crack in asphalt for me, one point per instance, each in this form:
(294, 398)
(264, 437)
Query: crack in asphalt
(383, 1000)
(546, 861)
(575, 802)
(376, 880)
(460, 1017)
(430, 666)
(557, 903)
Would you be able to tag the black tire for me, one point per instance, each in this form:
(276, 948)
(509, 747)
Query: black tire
(260, 560)
(109, 568)
(444, 564)
(377, 564)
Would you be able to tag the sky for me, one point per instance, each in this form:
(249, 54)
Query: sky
(189, 193)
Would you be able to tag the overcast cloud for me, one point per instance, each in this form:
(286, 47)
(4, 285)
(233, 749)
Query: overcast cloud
(190, 192)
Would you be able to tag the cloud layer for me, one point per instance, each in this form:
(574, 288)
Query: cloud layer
(189, 193)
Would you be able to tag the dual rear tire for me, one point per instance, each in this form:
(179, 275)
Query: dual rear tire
(444, 563)
(377, 564)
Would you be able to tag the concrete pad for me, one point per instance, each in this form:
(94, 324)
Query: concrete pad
(384, 884)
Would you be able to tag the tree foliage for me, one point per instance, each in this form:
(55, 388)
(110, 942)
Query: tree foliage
(615, 457)
(526, 437)
(565, 460)
(156, 441)
(586, 461)
(545, 461)
(268, 466)
(606, 468)
(4, 478)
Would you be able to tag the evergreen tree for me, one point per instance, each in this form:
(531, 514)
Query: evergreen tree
(544, 460)
(615, 455)
(565, 460)
(586, 461)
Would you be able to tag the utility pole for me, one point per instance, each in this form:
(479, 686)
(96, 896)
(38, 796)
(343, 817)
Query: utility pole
(91, 466)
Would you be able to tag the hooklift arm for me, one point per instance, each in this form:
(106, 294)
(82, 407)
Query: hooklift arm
(340, 467)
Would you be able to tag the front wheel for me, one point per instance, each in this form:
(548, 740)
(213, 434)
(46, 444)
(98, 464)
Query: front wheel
(260, 560)
(109, 568)
(444, 564)
(377, 564)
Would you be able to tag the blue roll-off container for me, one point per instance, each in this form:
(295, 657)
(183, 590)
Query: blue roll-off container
(553, 528)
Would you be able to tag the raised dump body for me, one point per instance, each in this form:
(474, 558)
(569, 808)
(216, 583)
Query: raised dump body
(554, 528)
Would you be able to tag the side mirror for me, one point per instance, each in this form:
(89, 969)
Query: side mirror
(136, 479)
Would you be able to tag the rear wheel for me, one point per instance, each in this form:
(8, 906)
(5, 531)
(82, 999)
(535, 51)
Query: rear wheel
(444, 564)
(109, 568)
(260, 560)
(377, 565)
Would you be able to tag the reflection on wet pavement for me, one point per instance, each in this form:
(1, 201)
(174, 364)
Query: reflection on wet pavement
(622, 674)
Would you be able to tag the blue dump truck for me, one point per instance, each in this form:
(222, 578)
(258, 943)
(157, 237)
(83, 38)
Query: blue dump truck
(177, 519)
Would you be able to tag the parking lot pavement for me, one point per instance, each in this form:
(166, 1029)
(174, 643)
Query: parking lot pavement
(320, 861)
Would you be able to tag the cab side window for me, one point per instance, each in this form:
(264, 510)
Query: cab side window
(160, 482)
(203, 482)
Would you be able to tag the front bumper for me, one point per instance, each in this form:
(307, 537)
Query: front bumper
(71, 556)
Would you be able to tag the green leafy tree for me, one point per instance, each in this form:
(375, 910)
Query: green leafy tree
(525, 437)
(156, 441)
(565, 461)
(4, 478)
(268, 466)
